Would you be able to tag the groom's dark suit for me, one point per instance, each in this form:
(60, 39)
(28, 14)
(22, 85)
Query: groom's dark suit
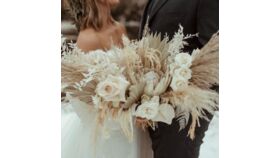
(196, 16)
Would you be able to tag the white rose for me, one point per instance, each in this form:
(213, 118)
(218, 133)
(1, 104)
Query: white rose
(178, 83)
(152, 110)
(183, 59)
(148, 109)
(180, 78)
(113, 88)
(166, 114)
(183, 72)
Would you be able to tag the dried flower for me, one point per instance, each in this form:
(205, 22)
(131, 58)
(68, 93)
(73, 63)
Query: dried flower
(113, 88)
(184, 72)
(180, 78)
(153, 110)
(148, 109)
(152, 71)
(166, 114)
(178, 83)
(183, 59)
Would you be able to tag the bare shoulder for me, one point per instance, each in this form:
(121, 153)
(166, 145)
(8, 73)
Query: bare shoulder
(88, 40)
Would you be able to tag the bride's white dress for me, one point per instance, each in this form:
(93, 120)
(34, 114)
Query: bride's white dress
(83, 139)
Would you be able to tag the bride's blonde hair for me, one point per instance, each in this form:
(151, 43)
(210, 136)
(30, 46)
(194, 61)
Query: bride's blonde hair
(90, 13)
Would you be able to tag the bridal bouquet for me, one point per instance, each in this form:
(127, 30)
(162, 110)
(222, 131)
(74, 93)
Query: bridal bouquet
(150, 79)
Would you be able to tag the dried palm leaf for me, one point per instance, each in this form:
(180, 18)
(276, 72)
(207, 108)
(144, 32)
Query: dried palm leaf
(191, 131)
(154, 43)
(205, 65)
(135, 93)
(152, 60)
(162, 85)
(70, 74)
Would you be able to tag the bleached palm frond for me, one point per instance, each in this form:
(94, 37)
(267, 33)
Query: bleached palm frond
(205, 65)
(153, 51)
(70, 74)
(131, 61)
(162, 85)
(135, 93)
(77, 75)
(182, 117)
(85, 94)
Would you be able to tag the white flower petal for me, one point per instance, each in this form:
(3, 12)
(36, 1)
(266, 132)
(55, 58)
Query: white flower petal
(178, 83)
(113, 88)
(148, 109)
(183, 58)
(166, 114)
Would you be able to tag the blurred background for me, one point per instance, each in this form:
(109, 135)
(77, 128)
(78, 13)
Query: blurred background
(128, 12)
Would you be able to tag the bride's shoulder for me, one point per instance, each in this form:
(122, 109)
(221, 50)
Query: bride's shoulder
(88, 39)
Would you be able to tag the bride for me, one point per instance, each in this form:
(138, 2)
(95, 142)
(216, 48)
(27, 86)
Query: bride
(82, 137)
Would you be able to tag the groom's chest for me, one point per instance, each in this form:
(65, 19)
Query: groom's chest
(165, 15)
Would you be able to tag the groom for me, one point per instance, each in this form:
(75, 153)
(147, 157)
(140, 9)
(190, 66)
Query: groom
(196, 16)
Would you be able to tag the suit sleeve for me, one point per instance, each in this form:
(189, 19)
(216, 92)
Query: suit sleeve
(207, 19)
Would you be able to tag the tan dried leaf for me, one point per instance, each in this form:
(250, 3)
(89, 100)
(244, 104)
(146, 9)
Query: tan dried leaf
(135, 93)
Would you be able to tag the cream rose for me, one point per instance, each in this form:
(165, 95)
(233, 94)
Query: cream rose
(178, 83)
(166, 114)
(183, 72)
(183, 59)
(152, 110)
(113, 88)
(180, 78)
(148, 109)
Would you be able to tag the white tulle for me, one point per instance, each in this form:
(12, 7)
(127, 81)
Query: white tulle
(80, 140)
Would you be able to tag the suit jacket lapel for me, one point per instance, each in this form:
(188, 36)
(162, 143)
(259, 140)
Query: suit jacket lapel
(143, 20)
(145, 15)
(157, 7)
